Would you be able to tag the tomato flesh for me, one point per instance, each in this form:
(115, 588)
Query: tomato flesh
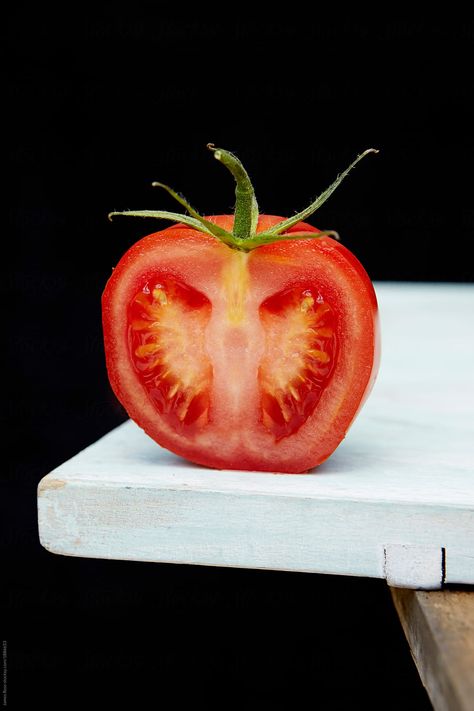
(299, 357)
(167, 322)
(238, 360)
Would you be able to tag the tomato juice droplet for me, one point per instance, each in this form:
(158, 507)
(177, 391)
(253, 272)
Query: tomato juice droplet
(166, 325)
(298, 362)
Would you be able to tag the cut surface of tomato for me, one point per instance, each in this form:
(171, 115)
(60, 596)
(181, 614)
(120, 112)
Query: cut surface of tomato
(236, 360)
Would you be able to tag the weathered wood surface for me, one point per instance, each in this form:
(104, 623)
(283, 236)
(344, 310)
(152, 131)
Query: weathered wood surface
(439, 627)
(396, 499)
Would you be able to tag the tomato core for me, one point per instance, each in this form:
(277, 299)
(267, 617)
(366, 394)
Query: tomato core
(167, 345)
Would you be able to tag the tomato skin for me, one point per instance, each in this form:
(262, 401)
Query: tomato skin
(234, 437)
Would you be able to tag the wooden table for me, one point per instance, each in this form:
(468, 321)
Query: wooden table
(439, 627)
(395, 501)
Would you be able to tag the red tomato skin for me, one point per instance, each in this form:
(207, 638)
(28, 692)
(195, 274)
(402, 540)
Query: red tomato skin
(192, 256)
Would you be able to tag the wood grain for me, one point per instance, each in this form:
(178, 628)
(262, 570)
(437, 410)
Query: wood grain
(439, 627)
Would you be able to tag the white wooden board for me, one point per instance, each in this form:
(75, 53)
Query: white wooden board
(395, 501)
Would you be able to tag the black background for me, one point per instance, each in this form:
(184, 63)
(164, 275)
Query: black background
(101, 105)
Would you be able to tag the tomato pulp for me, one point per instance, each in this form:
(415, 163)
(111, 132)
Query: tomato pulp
(242, 360)
(242, 341)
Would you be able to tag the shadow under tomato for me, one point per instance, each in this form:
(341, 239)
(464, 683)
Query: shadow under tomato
(349, 459)
(163, 457)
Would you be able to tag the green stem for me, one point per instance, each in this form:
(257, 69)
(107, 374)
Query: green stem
(266, 238)
(211, 226)
(286, 224)
(244, 236)
(246, 208)
(176, 217)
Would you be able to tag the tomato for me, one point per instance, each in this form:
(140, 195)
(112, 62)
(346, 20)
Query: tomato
(235, 358)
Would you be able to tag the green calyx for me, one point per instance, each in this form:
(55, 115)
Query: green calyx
(244, 236)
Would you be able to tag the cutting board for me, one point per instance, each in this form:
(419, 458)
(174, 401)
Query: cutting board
(395, 501)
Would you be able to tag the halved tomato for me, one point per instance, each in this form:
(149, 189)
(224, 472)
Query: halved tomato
(235, 358)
